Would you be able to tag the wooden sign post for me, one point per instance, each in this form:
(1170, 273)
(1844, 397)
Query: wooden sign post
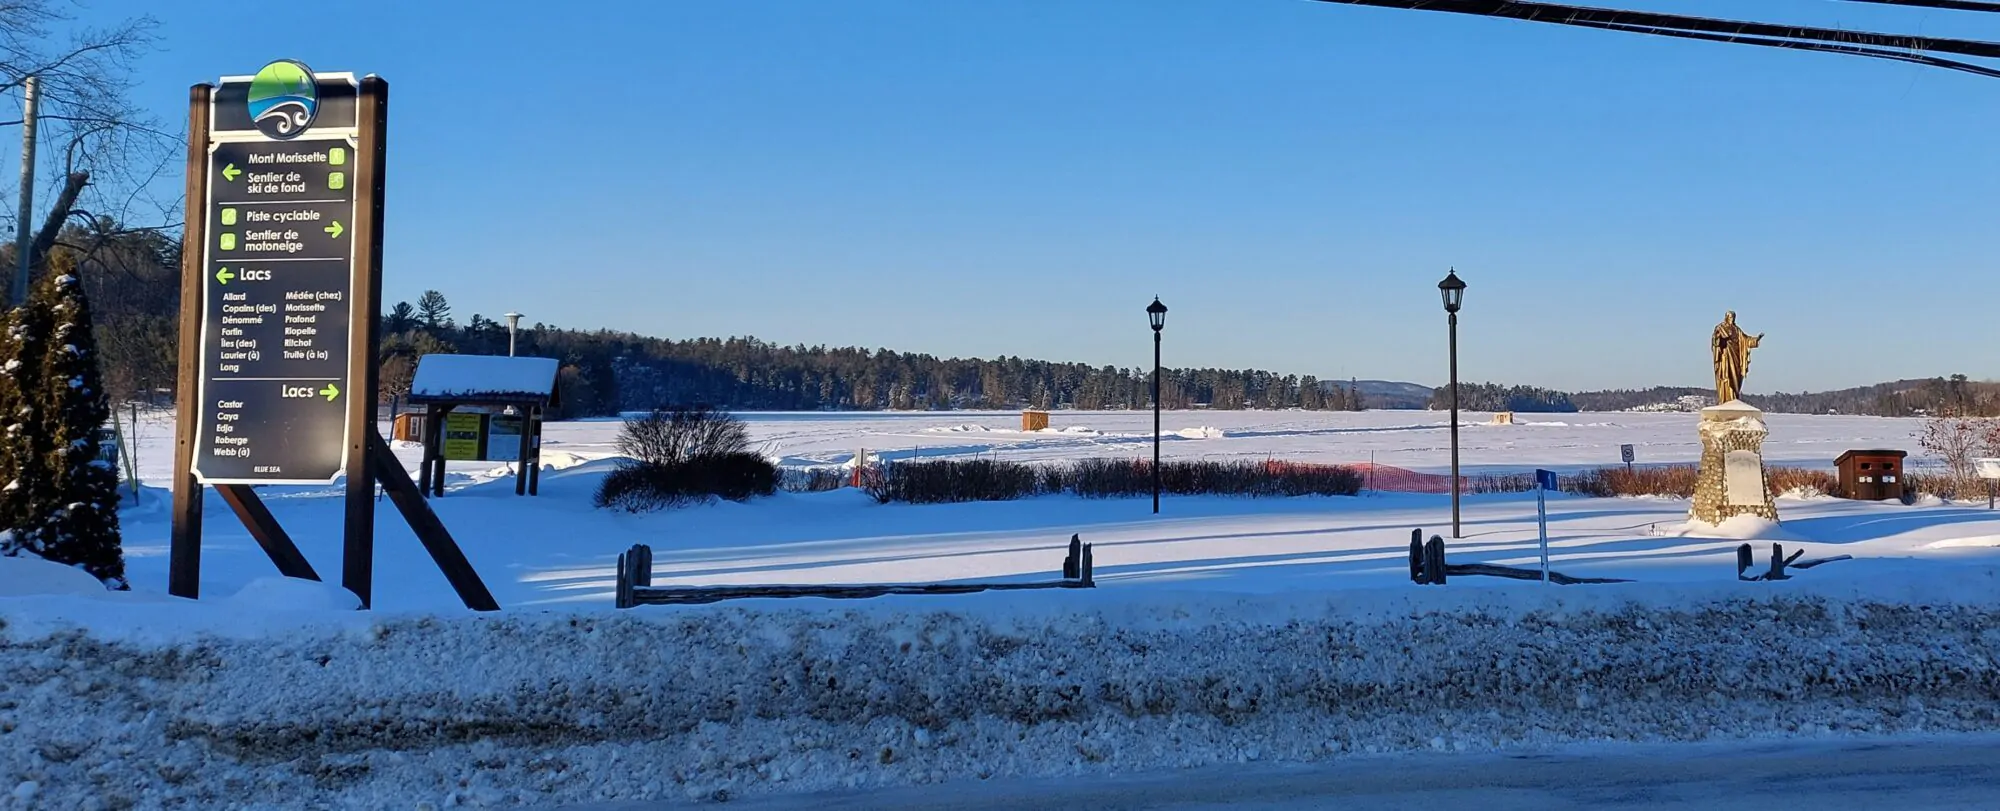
(281, 281)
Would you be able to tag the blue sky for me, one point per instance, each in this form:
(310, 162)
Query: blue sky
(1292, 178)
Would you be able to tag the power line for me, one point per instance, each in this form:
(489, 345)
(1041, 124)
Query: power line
(1897, 47)
(1954, 5)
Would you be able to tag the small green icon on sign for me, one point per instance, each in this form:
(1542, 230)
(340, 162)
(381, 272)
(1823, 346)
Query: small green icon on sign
(331, 391)
(335, 230)
(230, 172)
(229, 216)
(229, 242)
(337, 156)
(223, 276)
(336, 180)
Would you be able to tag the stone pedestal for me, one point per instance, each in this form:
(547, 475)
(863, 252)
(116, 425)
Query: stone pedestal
(1731, 481)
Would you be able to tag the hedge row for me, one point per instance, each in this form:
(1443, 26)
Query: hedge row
(946, 481)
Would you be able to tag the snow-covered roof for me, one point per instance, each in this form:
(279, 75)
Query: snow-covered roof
(484, 378)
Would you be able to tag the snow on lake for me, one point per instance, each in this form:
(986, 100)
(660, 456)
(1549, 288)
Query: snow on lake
(556, 550)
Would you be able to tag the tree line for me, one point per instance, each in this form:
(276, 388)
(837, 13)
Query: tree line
(605, 372)
(132, 277)
(1947, 396)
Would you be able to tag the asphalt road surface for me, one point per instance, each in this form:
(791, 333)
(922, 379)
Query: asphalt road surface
(1900, 775)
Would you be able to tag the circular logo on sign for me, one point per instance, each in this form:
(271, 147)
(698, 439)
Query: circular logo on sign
(283, 99)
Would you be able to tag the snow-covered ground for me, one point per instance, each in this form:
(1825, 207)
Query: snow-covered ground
(1223, 630)
(555, 550)
(1418, 440)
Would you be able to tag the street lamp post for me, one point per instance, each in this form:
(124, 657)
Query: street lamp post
(1157, 314)
(1453, 291)
(513, 323)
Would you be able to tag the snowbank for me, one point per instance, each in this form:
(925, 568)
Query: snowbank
(1740, 527)
(29, 575)
(292, 594)
(689, 703)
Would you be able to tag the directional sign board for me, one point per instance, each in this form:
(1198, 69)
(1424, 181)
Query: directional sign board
(279, 272)
(1989, 468)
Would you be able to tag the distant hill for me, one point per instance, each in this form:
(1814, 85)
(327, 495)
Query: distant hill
(1897, 398)
(1392, 394)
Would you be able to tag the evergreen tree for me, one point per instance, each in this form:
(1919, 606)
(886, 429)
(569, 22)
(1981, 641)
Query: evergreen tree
(24, 331)
(433, 312)
(68, 496)
(402, 318)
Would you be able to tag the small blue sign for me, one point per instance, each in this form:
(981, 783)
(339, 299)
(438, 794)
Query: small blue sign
(1546, 479)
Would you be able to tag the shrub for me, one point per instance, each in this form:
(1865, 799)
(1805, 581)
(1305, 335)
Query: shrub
(1679, 481)
(946, 481)
(681, 455)
(1945, 485)
(986, 480)
(636, 488)
(1810, 481)
(1957, 439)
(813, 480)
(1501, 483)
(643, 486)
(1651, 480)
(672, 436)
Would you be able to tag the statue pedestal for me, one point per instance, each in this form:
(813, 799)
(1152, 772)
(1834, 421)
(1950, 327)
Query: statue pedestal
(1731, 479)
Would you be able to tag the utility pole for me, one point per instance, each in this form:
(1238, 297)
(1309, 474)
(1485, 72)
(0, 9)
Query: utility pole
(24, 226)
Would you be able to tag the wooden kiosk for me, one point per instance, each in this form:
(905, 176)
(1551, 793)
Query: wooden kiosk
(483, 408)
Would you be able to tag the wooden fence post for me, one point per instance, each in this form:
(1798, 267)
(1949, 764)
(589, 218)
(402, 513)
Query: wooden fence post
(635, 571)
(1417, 556)
(622, 592)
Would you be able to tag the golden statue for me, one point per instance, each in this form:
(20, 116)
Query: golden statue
(1731, 350)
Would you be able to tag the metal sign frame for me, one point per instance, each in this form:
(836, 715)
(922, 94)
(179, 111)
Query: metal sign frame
(363, 259)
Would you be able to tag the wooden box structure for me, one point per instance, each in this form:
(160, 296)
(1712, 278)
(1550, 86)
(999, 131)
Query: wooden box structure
(407, 427)
(483, 407)
(1034, 420)
(1871, 475)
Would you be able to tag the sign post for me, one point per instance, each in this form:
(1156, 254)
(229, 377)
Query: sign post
(1545, 480)
(1625, 452)
(281, 276)
(1989, 469)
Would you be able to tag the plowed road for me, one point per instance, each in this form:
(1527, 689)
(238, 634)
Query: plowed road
(1902, 775)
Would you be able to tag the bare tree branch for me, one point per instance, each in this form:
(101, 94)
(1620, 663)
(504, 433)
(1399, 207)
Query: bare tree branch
(105, 155)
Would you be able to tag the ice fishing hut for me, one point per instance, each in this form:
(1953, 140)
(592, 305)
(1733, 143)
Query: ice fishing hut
(485, 408)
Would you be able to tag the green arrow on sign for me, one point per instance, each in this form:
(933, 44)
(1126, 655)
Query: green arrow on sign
(230, 172)
(224, 276)
(331, 391)
(335, 230)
